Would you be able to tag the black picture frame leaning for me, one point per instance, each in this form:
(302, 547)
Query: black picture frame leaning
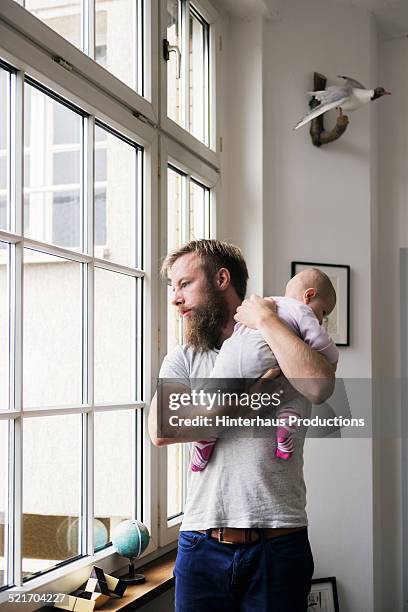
(323, 595)
(343, 302)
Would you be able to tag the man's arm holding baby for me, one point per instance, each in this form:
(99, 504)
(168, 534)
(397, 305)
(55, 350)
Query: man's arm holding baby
(307, 370)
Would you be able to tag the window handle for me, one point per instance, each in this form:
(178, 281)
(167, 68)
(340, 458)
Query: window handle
(167, 49)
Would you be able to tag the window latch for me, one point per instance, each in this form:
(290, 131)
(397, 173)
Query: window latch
(167, 49)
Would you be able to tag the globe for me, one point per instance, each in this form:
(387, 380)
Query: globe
(130, 538)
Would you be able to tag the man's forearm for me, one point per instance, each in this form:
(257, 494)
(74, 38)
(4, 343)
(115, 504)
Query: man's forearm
(308, 371)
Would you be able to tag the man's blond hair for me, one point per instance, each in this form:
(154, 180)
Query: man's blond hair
(214, 255)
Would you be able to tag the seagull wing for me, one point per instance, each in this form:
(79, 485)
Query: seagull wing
(331, 94)
(351, 82)
(319, 110)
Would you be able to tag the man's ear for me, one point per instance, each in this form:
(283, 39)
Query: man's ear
(223, 279)
(308, 295)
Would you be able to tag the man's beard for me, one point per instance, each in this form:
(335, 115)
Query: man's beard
(204, 326)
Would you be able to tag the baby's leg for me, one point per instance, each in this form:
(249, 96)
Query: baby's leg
(202, 451)
(285, 432)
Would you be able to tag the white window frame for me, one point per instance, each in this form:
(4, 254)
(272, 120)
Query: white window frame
(145, 136)
(29, 45)
(177, 156)
(77, 63)
(171, 128)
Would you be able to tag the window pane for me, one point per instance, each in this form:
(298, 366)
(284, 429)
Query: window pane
(114, 471)
(4, 328)
(63, 17)
(64, 132)
(116, 39)
(67, 166)
(199, 59)
(53, 216)
(174, 480)
(66, 219)
(3, 499)
(117, 169)
(174, 197)
(199, 211)
(4, 146)
(51, 459)
(174, 238)
(100, 216)
(173, 83)
(52, 322)
(115, 337)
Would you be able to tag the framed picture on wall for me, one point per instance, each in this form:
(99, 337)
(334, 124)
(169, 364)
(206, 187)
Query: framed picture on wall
(338, 322)
(323, 596)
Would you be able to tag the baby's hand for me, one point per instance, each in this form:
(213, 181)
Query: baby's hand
(254, 310)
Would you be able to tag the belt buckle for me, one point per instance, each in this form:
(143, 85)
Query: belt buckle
(220, 534)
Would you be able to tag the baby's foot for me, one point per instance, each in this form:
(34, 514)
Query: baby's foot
(282, 454)
(202, 454)
(285, 446)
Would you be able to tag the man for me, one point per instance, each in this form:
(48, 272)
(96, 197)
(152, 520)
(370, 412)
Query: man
(243, 542)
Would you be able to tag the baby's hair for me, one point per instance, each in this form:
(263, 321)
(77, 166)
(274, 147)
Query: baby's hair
(313, 277)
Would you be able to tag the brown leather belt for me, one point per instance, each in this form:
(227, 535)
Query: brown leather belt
(237, 535)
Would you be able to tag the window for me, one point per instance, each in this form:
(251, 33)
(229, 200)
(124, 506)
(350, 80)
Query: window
(116, 27)
(4, 147)
(81, 308)
(53, 177)
(188, 218)
(188, 69)
(80, 389)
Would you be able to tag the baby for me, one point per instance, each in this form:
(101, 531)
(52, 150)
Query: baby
(309, 298)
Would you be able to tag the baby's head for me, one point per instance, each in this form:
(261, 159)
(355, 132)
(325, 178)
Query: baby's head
(314, 288)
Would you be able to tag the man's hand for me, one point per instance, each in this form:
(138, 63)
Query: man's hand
(255, 310)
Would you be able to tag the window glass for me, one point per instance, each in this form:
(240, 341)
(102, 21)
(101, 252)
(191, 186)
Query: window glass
(63, 17)
(188, 94)
(174, 480)
(51, 491)
(4, 328)
(173, 74)
(3, 499)
(52, 320)
(114, 476)
(52, 170)
(174, 239)
(4, 146)
(116, 196)
(115, 337)
(198, 89)
(199, 211)
(185, 221)
(116, 39)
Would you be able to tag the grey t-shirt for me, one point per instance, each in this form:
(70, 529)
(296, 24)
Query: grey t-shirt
(244, 484)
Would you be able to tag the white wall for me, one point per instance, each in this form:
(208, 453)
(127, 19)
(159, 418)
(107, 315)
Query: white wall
(242, 130)
(393, 234)
(314, 205)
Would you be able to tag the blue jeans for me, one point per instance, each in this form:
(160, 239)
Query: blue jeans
(272, 575)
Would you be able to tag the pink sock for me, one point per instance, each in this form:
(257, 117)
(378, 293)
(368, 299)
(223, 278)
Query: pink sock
(284, 435)
(202, 452)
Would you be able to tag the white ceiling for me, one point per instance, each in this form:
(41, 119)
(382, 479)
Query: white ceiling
(391, 15)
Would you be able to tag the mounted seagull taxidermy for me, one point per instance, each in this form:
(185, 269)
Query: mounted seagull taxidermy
(347, 97)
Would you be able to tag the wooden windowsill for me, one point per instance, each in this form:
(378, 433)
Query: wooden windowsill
(159, 578)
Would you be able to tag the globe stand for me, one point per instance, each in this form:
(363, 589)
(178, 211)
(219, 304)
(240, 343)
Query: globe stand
(132, 577)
